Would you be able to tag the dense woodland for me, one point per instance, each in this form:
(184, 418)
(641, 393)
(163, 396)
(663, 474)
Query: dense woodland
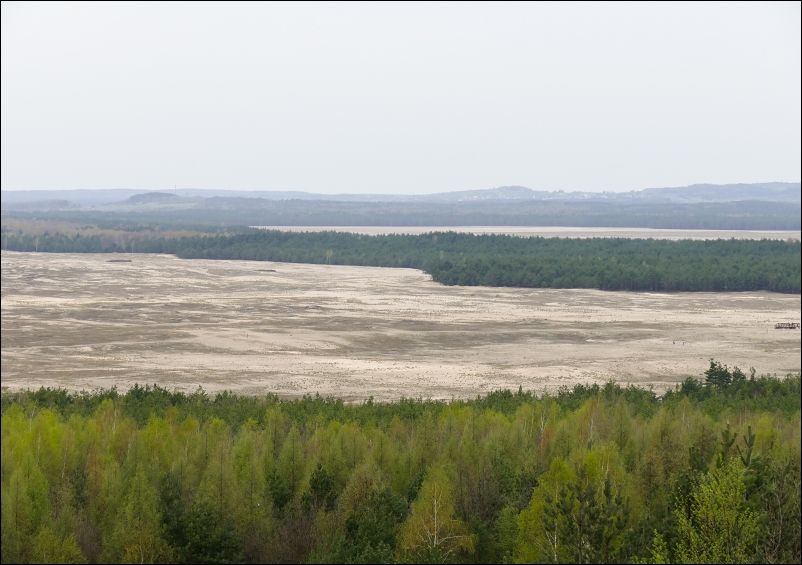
(488, 260)
(238, 211)
(709, 472)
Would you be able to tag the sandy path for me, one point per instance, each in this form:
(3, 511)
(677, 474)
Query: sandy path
(81, 322)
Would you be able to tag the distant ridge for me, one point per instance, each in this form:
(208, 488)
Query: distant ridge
(151, 197)
(767, 192)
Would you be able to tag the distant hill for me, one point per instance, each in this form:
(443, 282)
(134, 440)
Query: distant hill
(763, 206)
(151, 197)
(766, 192)
(499, 193)
(52, 204)
(88, 197)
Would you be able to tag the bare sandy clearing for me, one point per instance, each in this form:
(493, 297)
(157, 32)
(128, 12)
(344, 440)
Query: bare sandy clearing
(555, 231)
(81, 322)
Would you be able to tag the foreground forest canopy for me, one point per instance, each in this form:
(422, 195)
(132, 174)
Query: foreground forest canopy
(467, 259)
(710, 472)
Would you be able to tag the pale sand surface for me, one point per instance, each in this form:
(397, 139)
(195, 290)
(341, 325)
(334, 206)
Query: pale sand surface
(553, 231)
(80, 322)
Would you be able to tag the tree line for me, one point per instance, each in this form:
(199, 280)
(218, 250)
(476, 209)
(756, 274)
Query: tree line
(488, 260)
(709, 472)
(238, 211)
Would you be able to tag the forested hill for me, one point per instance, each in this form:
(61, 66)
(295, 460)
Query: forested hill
(488, 260)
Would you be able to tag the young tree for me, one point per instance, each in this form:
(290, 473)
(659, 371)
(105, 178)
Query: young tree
(138, 535)
(26, 508)
(538, 539)
(291, 464)
(50, 548)
(432, 533)
(719, 528)
(321, 493)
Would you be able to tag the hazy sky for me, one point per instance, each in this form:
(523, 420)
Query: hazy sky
(405, 98)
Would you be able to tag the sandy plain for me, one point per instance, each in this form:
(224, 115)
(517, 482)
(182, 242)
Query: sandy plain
(557, 231)
(81, 322)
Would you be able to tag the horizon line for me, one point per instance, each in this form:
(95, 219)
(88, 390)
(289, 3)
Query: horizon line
(604, 191)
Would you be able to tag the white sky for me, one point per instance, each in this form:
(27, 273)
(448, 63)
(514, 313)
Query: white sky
(402, 98)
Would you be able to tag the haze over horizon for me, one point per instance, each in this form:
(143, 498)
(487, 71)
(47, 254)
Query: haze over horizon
(399, 99)
(376, 193)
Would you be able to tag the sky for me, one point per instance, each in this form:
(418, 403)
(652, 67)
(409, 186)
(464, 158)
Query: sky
(399, 98)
